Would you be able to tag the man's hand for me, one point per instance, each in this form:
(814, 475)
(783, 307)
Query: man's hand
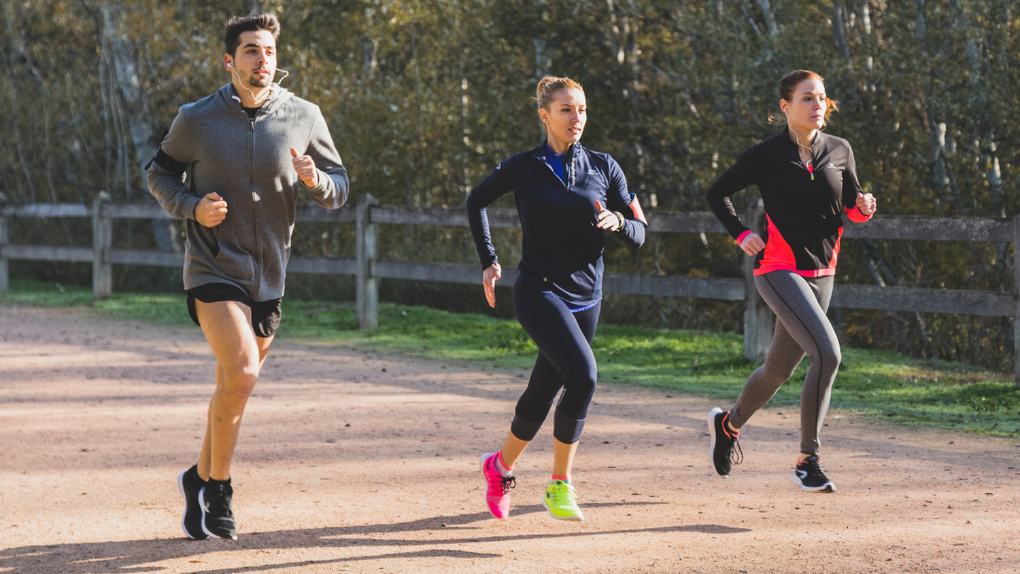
(491, 274)
(211, 210)
(305, 168)
(866, 203)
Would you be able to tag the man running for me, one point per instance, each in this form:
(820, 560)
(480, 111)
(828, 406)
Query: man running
(250, 148)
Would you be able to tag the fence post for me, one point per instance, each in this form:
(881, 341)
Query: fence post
(366, 291)
(758, 319)
(102, 241)
(1016, 300)
(4, 277)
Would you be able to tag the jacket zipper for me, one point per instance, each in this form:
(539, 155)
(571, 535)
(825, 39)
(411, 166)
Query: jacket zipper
(810, 165)
(553, 172)
(254, 227)
(569, 171)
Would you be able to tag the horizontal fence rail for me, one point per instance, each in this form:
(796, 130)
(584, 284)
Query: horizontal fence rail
(367, 268)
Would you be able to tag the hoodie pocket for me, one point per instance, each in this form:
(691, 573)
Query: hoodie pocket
(233, 257)
(274, 242)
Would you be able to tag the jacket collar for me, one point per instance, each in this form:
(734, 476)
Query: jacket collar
(784, 136)
(277, 96)
(572, 152)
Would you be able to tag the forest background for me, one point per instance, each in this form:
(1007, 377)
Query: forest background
(425, 97)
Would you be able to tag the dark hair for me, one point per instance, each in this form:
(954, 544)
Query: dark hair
(549, 85)
(790, 82)
(238, 25)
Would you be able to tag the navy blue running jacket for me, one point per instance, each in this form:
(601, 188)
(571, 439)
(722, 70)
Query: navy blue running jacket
(562, 247)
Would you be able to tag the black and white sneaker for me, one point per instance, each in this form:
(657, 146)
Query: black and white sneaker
(189, 483)
(725, 450)
(217, 514)
(809, 476)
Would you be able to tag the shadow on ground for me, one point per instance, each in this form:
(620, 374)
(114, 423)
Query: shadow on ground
(145, 555)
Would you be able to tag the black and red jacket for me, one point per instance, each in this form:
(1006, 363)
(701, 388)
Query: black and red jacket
(804, 208)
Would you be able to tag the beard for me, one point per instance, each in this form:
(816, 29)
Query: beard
(259, 81)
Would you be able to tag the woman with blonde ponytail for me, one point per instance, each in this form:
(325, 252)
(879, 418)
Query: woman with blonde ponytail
(568, 199)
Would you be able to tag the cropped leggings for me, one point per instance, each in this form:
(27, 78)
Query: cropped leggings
(800, 304)
(565, 361)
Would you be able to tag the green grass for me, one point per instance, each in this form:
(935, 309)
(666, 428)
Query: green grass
(875, 383)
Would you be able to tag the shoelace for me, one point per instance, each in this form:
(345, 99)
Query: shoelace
(812, 467)
(736, 457)
(219, 502)
(736, 453)
(508, 483)
(564, 493)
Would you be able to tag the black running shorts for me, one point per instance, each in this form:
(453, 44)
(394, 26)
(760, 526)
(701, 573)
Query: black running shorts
(265, 315)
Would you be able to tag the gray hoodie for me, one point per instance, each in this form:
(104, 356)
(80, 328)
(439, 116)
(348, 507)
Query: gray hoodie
(247, 162)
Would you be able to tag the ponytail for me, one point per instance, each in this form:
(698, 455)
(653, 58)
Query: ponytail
(549, 85)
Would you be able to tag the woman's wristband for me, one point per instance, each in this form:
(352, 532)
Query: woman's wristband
(619, 217)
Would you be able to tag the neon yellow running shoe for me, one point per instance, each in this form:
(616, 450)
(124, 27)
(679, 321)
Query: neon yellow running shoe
(561, 501)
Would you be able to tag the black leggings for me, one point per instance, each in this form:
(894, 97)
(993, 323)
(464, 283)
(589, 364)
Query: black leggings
(565, 360)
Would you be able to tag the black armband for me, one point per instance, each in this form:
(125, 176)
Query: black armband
(167, 162)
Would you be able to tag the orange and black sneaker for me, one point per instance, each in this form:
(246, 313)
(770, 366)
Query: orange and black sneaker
(725, 449)
(809, 476)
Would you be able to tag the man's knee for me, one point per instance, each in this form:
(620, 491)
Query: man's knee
(239, 376)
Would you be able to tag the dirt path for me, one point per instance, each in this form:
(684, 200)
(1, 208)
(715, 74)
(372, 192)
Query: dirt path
(354, 462)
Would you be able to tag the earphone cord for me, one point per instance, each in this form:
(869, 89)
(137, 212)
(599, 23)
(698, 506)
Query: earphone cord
(796, 137)
(268, 89)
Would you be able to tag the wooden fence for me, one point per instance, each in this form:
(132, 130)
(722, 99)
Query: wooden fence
(367, 268)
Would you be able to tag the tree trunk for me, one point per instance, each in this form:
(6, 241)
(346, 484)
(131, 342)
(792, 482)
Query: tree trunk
(128, 102)
(19, 142)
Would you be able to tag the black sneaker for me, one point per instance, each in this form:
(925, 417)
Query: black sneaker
(809, 476)
(189, 483)
(725, 449)
(217, 515)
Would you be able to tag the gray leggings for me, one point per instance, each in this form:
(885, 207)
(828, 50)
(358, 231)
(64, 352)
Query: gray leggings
(801, 327)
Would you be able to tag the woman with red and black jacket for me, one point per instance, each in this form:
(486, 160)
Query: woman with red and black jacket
(808, 181)
(567, 198)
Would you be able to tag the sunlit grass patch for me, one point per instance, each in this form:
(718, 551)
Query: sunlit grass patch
(879, 384)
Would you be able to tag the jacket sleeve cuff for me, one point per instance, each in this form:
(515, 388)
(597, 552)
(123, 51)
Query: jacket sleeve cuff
(188, 205)
(856, 215)
(742, 236)
(320, 183)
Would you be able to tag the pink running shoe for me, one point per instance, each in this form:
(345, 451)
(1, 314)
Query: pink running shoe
(498, 491)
